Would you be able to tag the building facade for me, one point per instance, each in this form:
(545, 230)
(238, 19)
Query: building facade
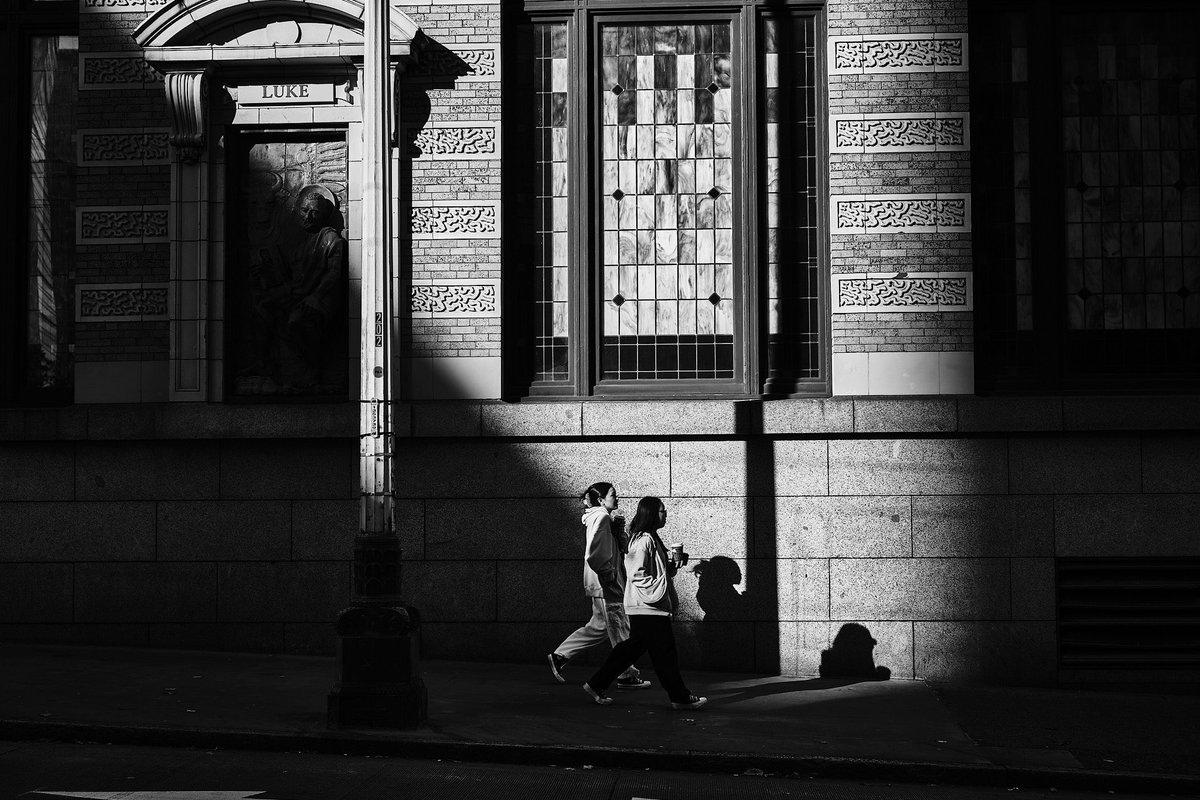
(896, 305)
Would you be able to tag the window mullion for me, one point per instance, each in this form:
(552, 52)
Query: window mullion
(579, 47)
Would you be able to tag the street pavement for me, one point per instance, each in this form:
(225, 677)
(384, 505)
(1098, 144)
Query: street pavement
(894, 730)
(57, 771)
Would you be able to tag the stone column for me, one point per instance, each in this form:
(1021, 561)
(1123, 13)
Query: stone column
(378, 680)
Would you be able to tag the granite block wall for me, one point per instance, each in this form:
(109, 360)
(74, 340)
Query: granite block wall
(940, 540)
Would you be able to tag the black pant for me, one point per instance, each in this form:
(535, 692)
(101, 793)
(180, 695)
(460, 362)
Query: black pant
(652, 633)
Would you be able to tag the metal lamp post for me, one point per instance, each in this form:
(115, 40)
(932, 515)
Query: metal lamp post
(378, 682)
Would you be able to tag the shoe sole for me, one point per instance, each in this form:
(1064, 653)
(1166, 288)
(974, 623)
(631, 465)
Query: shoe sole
(554, 669)
(689, 706)
(597, 698)
(642, 685)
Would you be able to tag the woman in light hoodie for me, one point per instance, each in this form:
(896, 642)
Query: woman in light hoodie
(604, 584)
(650, 602)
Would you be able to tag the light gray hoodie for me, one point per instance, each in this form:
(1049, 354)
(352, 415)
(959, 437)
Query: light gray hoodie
(603, 562)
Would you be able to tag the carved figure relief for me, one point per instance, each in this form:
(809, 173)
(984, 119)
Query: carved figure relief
(287, 273)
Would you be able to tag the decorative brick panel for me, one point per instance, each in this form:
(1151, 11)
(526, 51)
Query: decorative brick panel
(122, 6)
(120, 302)
(480, 63)
(114, 71)
(934, 213)
(930, 52)
(121, 147)
(941, 291)
(903, 133)
(453, 298)
(446, 141)
(452, 220)
(123, 224)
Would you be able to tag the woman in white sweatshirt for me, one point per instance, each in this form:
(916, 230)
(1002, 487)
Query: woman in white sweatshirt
(650, 602)
(604, 585)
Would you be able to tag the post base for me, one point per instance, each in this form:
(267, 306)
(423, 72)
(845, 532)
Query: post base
(378, 675)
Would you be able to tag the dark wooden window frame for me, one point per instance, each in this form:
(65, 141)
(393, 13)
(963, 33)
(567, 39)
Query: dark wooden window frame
(583, 19)
(19, 22)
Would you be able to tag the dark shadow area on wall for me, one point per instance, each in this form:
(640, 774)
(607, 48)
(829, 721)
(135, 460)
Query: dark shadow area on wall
(852, 656)
(722, 604)
(438, 68)
(761, 599)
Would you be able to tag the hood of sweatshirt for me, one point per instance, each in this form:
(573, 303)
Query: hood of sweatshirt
(592, 512)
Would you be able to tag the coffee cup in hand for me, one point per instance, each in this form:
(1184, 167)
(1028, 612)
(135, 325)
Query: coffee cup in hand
(677, 555)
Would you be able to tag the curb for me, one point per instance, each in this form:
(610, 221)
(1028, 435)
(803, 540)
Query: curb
(362, 744)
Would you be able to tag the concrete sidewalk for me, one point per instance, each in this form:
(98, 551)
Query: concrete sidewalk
(894, 730)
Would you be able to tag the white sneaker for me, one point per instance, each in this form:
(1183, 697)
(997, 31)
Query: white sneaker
(692, 702)
(600, 697)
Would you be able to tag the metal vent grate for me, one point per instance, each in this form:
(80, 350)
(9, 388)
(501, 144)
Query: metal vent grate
(1129, 613)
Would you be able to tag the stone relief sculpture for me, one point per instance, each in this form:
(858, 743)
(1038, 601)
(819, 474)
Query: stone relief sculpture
(289, 282)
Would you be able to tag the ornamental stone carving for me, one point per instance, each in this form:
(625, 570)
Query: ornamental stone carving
(455, 142)
(891, 293)
(901, 53)
(455, 221)
(115, 225)
(898, 133)
(114, 71)
(110, 148)
(453, 299)
(122, 6)
(121, 302)
(187, 94)
(900, 213)
(476, 63)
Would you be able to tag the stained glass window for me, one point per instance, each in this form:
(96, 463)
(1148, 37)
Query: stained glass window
(1132, 176)
(51, 236)
(667, 193)
(643, 234)
(551, 284)
(789, 75)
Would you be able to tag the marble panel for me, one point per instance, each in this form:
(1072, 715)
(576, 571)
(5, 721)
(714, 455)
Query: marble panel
(455, 591)
(282, 592)
(151, 592)
(446, 419)
(77, 531)
(1033, 586)
(976, 525)
(36, 593)
(532, 419)
(225, 530)
(932, 415)
(1010, 414)
(1116, 525)
(483, 469)
(758, 467)
(824, 527)
(1171, 463)
(532, 590)
(37, 471)
(503, 529)
(1070, 466)
(660, 418)
(280, 469)
(819, 415)
(146, 470)
(920, 588)
(918, 466)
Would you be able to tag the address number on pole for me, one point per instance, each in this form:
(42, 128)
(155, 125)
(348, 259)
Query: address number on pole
(379, 329)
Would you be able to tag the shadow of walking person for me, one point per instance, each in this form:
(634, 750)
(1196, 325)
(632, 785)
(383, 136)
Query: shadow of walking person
(851, 656)
(718, 597)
